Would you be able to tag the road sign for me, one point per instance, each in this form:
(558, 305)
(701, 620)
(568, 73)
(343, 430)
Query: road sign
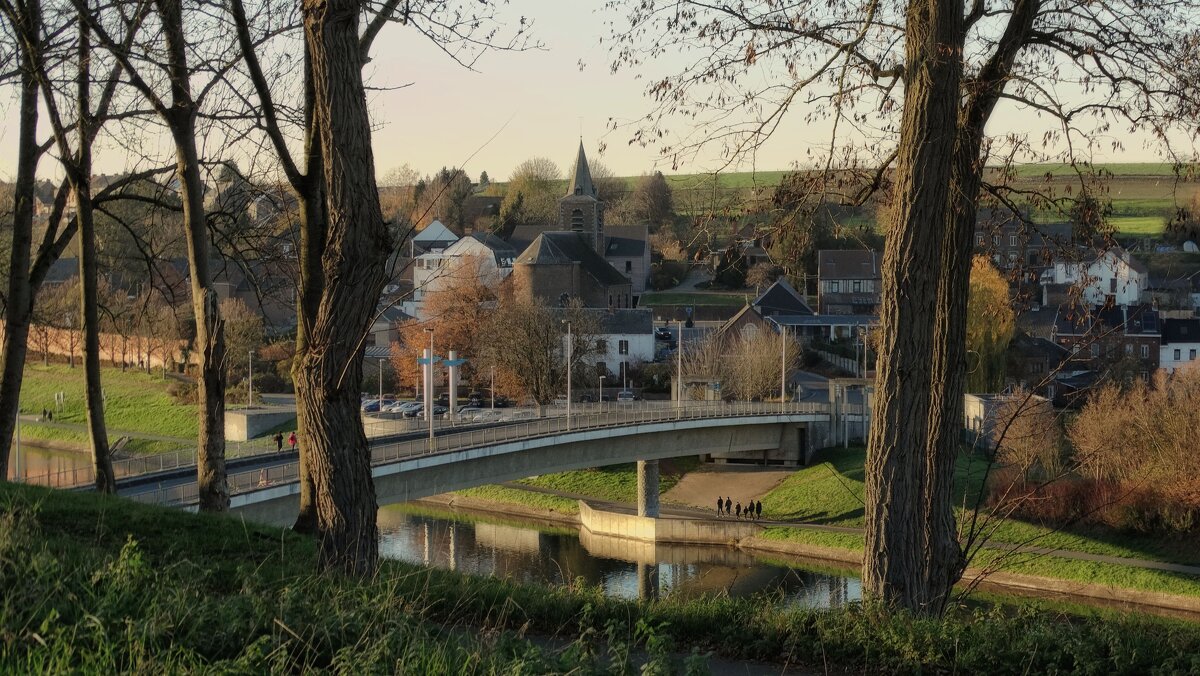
(426, 360)
(455, 362)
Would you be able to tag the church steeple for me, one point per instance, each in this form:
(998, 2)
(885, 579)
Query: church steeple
(581, 178)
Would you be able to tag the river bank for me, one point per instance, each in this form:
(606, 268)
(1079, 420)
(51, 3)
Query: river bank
(101, 584)
(841, 547)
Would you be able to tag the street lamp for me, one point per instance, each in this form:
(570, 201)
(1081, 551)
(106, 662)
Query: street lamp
(429, 388)
(679, 363)
(381, 385)
(600, 394)
(493, 388)
(782, 367)
(250, 379)
(569, 346)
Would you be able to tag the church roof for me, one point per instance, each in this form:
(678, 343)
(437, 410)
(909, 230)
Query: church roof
(781, 298)
(543, 251)
(557, 248)
(581, 178)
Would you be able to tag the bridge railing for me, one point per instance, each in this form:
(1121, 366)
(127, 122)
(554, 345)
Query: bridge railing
(85, 475)
(612, 416)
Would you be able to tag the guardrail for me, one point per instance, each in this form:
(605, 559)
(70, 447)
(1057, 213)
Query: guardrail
(241, 482)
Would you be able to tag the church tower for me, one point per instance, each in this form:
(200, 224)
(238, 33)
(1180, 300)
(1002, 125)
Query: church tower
(581, 210)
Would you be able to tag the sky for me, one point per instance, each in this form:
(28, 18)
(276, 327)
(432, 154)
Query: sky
(431, 112)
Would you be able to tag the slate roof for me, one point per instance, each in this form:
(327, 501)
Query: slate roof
(849, 264)
(1028, 345)
(625, 247)
(503, 252)
(556, 248)
(781, 298)
(629, 321)
(1180, 331)
(1133, 320)
(581, 177)
(523, 235)
(434, 232)
(62, 270)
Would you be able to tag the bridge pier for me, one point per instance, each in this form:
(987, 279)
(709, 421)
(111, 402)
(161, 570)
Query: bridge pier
(647, 488)
(647, 574)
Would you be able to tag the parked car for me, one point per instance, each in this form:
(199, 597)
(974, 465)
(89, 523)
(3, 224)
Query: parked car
(486, 415)
(437, 411)
(405, 406)
(502, 402)
(663, 333)
(376, 405)
(626, 395)
(591, 398)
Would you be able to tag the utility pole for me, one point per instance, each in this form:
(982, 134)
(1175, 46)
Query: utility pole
(782, 368)
(381, 385)
(569, 346)
(250, 381)
(679, 363)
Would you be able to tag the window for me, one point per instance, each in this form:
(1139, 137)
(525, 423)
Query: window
(857, 286)
(1145, 351)
(1050, 392)
(978, 239)
(1095, 351)
(996, 240)
(1191, 355)
(1145, 376)
(835, 287)
(1177, 355)
(1112, 285)
(601, 346)
(628, 267)
(1012, 240)
(610, 300)
(577, 219)
(623, 346)
(1128, 349)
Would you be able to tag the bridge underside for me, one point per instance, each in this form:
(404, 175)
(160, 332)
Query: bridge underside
(424, 476)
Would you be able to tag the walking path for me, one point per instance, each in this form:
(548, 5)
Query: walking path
(685, 512)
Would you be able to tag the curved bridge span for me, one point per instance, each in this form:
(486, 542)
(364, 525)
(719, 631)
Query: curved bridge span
(416, 468)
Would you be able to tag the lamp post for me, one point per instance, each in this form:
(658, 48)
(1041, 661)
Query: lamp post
(679, 363)
(782, 367)
(493, 388)
(381, 385)
(429, 388)
(600, 394)
(569, 346)
(250, 379)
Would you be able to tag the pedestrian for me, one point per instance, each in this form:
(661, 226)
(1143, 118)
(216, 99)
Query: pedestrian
(758, 509)
(738, 510)
(292, 440)
(50, 416)
(278, 438)
(728, 506)
(720, 506)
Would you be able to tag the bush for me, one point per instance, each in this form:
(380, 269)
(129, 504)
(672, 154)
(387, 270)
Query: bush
(667, 274)
(184, 391)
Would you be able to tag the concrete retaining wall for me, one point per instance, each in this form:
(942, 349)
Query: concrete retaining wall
(679, 531)
(247, 425)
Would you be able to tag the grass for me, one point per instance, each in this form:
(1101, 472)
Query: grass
(737, 299)
(95, 584)
(615, 483)
(830, 492)
(1141, 226)
(135, 402)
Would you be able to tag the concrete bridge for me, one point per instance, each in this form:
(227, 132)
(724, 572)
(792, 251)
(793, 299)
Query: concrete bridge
(454, 460)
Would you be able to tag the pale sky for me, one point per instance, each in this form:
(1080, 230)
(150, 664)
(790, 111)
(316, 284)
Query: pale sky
(535, 103)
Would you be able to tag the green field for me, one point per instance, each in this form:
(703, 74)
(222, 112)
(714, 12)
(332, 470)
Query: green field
(135, 402)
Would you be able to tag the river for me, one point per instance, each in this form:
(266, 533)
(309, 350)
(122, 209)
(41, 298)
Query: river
(622, 568)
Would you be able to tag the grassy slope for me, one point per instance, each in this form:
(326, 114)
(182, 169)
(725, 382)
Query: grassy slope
(102, 585)
(134, 402)
(616, 483)
(830, 492)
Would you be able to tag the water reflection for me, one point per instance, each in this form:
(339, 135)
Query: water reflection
(622, 568)
(37, 461)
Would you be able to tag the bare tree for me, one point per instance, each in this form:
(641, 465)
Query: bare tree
(1120, 63)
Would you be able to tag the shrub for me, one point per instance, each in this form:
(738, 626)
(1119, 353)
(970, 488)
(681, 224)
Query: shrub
(183, 391)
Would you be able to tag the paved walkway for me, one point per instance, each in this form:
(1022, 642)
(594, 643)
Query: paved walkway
(685, 512)
(701, 488)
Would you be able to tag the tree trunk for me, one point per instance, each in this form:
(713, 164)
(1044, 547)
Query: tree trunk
(19, 311)
(903, 552)
(210, 330)
(357, 246)
(313, 229)
(81, 181)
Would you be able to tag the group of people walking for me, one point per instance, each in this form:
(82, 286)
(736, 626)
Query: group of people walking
(726, 507)
(278, 439)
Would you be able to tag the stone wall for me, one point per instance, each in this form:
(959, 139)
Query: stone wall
(664, 529)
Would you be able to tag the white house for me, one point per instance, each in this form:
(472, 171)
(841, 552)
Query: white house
(625, 337)
(1113, 277)
(1180, 344)
(477, 258)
